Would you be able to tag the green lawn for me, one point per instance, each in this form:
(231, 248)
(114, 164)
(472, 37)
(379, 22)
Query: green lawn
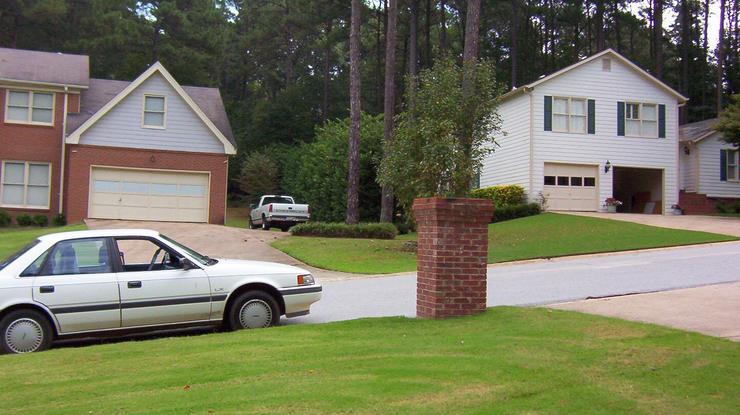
(545, 235)
(508, 360)
(13, 239)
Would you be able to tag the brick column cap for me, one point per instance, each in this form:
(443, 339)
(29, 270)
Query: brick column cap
(453, 209)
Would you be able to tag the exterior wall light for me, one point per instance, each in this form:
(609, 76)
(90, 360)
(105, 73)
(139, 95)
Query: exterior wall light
(607, 166)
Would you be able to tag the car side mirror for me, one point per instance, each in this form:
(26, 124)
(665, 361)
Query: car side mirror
(187, 264)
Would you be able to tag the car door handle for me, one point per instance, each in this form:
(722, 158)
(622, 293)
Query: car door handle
(46, 289)
(134, 284)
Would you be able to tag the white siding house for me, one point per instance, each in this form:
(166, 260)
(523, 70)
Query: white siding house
(710, 166)
(597, 129)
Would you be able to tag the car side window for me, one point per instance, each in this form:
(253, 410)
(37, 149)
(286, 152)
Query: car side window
(78, 256)
(143, 254)
(35, 267)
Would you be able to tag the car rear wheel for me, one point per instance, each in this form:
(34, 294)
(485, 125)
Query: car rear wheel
(254, 310)
(25, 331)
(265, 224)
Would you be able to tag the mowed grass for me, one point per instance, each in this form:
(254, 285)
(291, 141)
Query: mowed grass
(542, 236)
(13, 239)
(508, 360)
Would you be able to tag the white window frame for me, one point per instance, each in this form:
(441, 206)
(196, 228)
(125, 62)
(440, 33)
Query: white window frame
(732, 162)
(569, 115)
(641, 120)
(26, 172)
(29, 109)
(163, 112)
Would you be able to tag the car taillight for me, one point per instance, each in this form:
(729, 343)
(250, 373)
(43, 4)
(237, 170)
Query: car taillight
(269, 208)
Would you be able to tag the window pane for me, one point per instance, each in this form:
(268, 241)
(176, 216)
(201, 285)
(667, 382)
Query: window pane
(19, 99)
(38, 174)
(560, 106)
(576, 181)
(163, 189)
(589, 181)
(42, 100)
(37, 196)
(649, 128)
(14, 173)
(154, 104)
(578, 124)
(134, 187)
(192, 190)
(649, 113)
(40, 115)
(732, 173)
(154, 119)
(578, 107)
(562, 181)
(105, 186)
(17, 114)
(559, 122)
(12, 194)
(550, 180)
(633, 111)
(632, 127)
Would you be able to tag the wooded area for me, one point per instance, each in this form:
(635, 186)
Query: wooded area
(283, 66)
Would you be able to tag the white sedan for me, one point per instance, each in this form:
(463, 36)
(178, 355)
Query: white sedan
(80, 283)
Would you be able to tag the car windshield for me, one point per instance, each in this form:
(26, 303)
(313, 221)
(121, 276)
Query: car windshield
(203, 259)
(277, 199)
(15, 256)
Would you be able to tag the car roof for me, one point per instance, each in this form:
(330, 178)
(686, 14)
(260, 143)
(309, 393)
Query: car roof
(101, 233)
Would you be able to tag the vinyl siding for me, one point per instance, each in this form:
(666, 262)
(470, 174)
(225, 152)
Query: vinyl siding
(607, 88)
(709, 182)
(509, 164)
(688, 168)
(122, 125)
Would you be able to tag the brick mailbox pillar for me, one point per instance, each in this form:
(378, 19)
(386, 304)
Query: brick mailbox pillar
(452, 254)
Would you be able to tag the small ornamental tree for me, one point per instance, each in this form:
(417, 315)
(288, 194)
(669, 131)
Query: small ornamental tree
(729, 121)
(259, 176)
(444, 133)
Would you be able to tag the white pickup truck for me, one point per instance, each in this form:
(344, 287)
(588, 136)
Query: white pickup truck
(279, 211)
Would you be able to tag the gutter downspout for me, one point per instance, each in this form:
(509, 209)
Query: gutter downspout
(64, 152)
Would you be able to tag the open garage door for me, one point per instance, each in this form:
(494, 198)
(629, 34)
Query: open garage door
(155, 195)
(571, 187)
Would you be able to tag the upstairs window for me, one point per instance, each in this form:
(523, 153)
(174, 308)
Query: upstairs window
(154, 111)
(569, 115)
(641, 120)
(29, 107)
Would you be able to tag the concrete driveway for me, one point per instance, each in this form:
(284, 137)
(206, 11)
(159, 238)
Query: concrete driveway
(714, 224)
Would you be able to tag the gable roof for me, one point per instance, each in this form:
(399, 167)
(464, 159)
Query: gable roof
(104, 95)
(528, 87)
(44, 67)
(697, 131)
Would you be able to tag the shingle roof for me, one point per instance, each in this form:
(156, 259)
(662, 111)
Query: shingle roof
(696, 130)
(101, 91)
(44, 67)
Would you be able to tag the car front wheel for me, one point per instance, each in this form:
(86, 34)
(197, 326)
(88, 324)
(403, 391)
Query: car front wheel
(254, 310)
(25, 331)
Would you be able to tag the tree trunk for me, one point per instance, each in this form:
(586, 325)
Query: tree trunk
(720, 55)
(428, 35)
(443, 26)
(470, 57)
(599, 22)
(658, 37)
(386, 207)
(617, 34)
(353, 180)
(514, 39)
(327, 74)
(414, 38)
(685, 29)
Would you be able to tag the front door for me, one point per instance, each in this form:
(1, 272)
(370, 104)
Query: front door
(75, 280)
(155, 289)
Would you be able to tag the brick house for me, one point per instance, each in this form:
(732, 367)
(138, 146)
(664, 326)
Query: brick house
(149, 149)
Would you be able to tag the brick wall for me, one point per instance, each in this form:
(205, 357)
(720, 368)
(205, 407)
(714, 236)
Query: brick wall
(81, 157)
(452, 256)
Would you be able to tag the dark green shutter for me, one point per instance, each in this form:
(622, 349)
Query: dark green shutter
(661, 121)
(548, 113)
(620, 118)
(591, 116)
(723, 165)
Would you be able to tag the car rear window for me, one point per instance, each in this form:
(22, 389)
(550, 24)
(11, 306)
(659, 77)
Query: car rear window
(269, 200)
(7, 261)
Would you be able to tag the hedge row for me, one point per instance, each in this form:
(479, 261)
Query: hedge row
(342, 230)
(28, 220)
(501, 195)
(503, 213)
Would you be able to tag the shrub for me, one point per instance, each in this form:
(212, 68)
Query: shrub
(24, 220)
(59, 220)
(259, 176)
(40, 220)
(728, 207)
(342, 230)
(504, 213)
(4, 218)
(501, 195)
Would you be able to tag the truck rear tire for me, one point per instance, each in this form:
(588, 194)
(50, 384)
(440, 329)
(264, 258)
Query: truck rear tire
(265, 224)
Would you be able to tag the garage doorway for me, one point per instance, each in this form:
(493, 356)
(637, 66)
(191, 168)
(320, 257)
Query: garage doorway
(640, 190)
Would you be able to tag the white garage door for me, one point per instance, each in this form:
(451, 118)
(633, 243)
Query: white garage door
(157, 195)
(571, 187)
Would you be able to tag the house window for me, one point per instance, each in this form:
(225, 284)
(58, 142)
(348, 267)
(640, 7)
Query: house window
(569, 115)
(641, 120)
(25, 184)
(29, 107)
(733, 164)
(154, 111)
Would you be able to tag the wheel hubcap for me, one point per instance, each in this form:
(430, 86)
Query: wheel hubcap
(24, 335)
(255, 314)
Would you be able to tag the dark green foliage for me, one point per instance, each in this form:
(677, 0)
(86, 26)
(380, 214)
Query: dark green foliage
(505, 213)
(342, 230)
(729, 122)
(316, 173)
(59, 220)
(5, 219)
(259, 176)
(501, 195)
(24, 220)
(40, 220)
(728, 207)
